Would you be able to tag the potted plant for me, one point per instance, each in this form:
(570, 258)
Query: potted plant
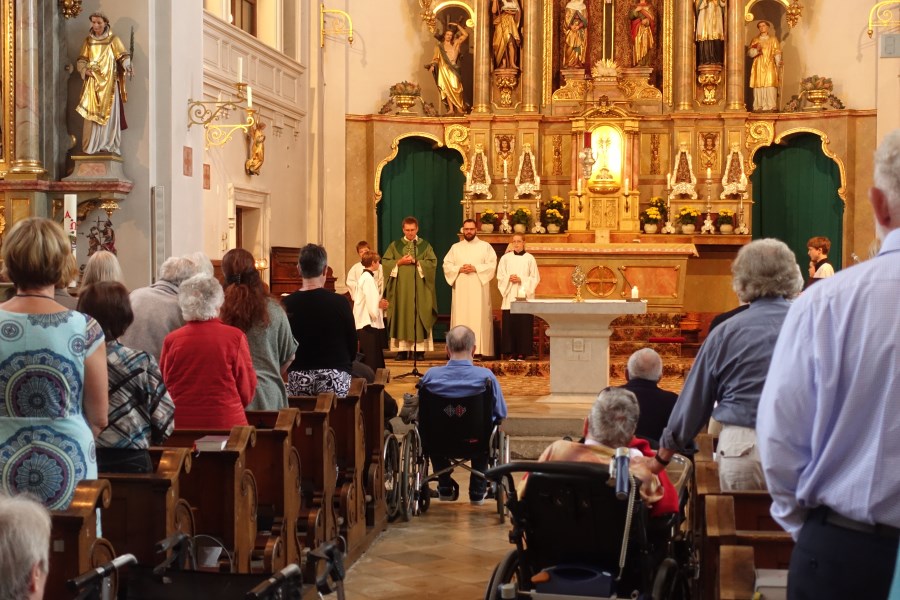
(554, 220)
(651, 217)
(520, 219)
(660, 205)
(725, 221)
(488, 220)
(688, 216)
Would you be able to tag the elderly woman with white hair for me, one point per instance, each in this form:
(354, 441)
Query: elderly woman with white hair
(101, 266)
(730, 370)
(206, 365)
(24, 548)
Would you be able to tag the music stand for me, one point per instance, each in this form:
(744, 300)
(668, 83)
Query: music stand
(415, 371)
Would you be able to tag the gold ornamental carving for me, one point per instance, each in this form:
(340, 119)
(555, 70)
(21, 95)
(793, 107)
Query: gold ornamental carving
(547, 92)
(637, 89)
(709, 79)
(395, 148)
(601, 282)
(428, 15)
(457, 137)
(70, 8)
(668, 45)
(575, 89)
(842, 191)
(506, 80)
(882, 15)
(793, 10)
(758, 134)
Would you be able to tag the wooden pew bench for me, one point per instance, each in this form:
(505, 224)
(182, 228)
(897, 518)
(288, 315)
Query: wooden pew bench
(147, 508)
(373, 421)
(741, 577)
(350, 454)
(75, 544)
(221, 489)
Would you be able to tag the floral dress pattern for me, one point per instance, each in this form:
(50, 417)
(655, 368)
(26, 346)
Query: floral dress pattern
(46, 446)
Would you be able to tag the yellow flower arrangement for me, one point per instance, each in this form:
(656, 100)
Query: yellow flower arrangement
(556, 202)
(488, 216)
(553, 216)
(651, 215)
(726, 217)
(688, 215)
(521, 216)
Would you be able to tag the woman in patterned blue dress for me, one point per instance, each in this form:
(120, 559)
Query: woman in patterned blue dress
(53, 383)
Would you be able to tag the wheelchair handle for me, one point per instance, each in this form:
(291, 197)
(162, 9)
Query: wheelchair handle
(578, 469)
(95, 575)
(621, 463)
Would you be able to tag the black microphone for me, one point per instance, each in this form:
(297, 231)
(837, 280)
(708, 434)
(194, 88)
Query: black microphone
(100, 572)
(622, 461)
(291, 571)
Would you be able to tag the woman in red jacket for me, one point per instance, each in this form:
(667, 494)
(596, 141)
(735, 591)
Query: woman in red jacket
(206, 364)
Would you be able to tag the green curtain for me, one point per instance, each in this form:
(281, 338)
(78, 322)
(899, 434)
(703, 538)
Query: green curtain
(795, 197)
(426, 183)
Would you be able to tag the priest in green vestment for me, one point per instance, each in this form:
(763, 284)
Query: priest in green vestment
(409, 268)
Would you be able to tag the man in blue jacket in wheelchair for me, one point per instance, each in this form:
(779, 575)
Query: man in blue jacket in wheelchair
(460, 378)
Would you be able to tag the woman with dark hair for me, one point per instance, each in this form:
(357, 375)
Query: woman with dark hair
(140, 409)
(249, 308)
(52, 375)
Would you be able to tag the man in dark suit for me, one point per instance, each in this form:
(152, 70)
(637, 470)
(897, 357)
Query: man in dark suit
(643, 373)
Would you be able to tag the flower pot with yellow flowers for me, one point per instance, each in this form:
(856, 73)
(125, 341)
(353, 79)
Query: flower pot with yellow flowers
(520, 218)
(554, 219)
(488, 221)
(687, 217)
(725, 221)
(650, 217)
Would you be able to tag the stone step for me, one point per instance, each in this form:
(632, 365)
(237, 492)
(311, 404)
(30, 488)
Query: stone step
(527, 447)
(555, 427)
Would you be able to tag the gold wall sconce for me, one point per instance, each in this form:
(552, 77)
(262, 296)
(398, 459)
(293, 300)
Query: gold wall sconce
(344, 27)
(261, 264)
(208, 113)
(882, 15)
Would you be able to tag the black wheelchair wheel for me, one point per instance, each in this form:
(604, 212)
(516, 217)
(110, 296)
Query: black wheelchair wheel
(500, 497)
(409, 481)
(424, 498)
(506, 572)
(670, 583)
(392, 476)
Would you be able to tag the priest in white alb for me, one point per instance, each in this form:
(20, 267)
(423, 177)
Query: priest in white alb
(517, 278)
(469, 268)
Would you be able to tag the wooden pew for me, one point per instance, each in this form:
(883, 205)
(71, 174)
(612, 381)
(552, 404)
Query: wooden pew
(75, 546)
(740, 576)
(318, 468)
(350, 453)
(222, 491)
(373, 419)
(772, 548)
(275, 462)
(147, 508)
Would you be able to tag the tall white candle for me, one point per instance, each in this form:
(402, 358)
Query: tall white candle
(626, 186)
(504, 169)
(708, 173)
(240, 69)
(249, 97)
(668, 180)
(70, 214)
(579, 186)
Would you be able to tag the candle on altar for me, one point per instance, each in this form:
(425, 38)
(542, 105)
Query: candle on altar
(626, 186)
(708, 173)
(634, 292)
(579, 186)
(668, 180)
(504, 169)
(240, 69)
(249, 97)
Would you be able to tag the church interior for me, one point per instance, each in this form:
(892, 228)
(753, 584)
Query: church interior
(637, 145)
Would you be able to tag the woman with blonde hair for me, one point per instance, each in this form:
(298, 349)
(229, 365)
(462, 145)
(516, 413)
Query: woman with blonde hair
(101, 266)
(53, 376)
(249, 308)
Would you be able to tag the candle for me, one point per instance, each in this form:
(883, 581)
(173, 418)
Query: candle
(249, 97)
(626, 186)
(634, 292)
(708, 173)
(70, 214)
(504, 169)
(240, 69)
(579, 186)
(668, 180)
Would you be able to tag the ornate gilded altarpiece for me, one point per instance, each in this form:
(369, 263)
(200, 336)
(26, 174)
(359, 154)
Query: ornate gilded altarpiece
(7, 87)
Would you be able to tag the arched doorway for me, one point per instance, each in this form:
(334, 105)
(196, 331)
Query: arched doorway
(795, 196)
(427, 183)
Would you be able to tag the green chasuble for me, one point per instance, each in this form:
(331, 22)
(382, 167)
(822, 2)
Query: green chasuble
(399, 290)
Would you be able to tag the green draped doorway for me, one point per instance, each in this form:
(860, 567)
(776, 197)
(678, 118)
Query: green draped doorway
(426, 183)
(795, 197)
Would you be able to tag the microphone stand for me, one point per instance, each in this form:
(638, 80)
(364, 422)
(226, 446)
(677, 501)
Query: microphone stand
(415, 371)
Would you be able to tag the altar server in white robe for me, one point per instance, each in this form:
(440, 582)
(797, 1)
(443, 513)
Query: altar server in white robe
(469, 268)
(517, 278)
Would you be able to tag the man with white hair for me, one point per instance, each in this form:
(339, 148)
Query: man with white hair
(459, 378)
(643, 372)
(730, 370)
(829, 417)
(156, 310)
(24, 548)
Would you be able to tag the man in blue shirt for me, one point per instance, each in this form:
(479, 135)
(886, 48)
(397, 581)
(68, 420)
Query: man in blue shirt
(459, 378)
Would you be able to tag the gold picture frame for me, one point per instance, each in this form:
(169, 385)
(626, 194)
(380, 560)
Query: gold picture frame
(8, 88)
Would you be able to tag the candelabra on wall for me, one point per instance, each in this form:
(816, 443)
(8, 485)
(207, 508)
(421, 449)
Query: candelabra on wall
(207, 113)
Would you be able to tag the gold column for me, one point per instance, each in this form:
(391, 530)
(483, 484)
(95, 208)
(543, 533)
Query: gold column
(683, 73)
(27, 163)
(482, 80)
(734, 57)
(532, 64)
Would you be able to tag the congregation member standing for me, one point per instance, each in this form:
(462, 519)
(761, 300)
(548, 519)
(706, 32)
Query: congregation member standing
(469, 267)
(140, 409)
(409, 265)
(156, 309)
(368, 313)
(248, 307)
(206, 364)
(356, 271)
(517, 278)
(829, 416)
(323, 325)
(729, 372)
(52, 372)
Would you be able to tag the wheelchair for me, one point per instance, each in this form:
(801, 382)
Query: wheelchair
(392, 475)
(458, 429)
(581, 531)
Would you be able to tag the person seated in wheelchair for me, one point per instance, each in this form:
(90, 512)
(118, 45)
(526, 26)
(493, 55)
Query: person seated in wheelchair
(611, 424)
(460, 378)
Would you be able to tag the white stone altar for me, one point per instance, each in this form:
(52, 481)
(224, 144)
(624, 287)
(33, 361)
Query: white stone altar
(579, 343)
